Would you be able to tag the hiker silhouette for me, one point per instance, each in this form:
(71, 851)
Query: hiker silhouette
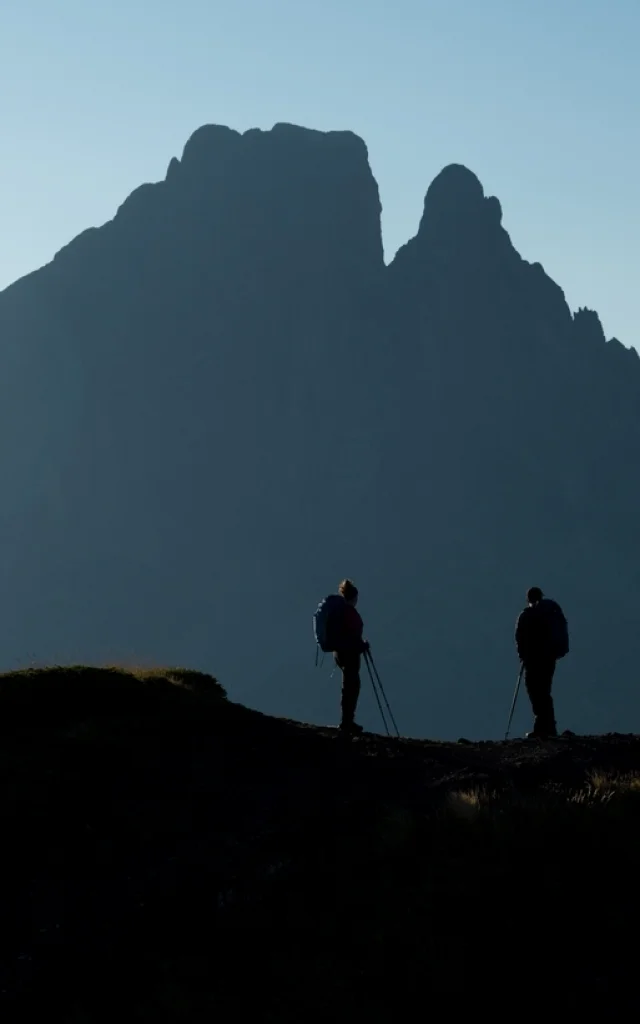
(338, 628)
(541, 639)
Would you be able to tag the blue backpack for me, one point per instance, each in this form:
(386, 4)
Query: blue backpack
(327, 622)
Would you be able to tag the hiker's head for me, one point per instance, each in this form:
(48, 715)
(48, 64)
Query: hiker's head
(534, 595)
(349, 591)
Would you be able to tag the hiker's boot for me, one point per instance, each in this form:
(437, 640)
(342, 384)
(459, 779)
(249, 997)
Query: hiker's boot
(541, 734)
(351, 728)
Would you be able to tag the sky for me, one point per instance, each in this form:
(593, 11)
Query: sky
(539, 97)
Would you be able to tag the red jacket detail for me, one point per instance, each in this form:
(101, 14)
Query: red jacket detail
(352, 628)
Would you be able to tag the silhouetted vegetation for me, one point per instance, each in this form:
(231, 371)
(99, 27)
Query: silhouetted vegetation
(168, 854)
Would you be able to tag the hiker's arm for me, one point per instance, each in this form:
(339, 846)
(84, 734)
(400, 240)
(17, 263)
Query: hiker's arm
(363, 644)
(521, 635)
(354, 628)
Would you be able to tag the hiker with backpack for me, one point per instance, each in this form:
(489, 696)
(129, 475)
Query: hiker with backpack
(338, 629)
(542, 637)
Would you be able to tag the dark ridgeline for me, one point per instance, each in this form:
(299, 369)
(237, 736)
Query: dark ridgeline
(222, 402)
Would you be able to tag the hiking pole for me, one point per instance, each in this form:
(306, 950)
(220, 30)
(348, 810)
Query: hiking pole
(375, 690)
(513, 703)
(369, 659)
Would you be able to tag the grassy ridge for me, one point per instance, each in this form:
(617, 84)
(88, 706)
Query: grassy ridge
(168, 851)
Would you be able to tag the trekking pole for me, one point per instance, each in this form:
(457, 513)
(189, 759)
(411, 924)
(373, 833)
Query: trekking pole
(513, 703)
(369, 659)
(375, 690)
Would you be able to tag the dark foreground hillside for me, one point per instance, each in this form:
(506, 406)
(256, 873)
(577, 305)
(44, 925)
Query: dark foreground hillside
(170, 855)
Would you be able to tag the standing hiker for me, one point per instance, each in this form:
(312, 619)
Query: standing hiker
(542, 637)
(338, 628)
(347, 656)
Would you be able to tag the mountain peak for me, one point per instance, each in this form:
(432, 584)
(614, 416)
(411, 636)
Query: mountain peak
(208, 144)
(213, 145)
(455, 182)
(455, 200)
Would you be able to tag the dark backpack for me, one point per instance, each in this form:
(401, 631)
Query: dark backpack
(327, 622)
(557, 625)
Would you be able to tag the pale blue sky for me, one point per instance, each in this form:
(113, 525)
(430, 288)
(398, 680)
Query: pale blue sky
(541, 98)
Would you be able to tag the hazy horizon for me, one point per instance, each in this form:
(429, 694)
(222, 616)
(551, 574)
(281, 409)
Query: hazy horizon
(537, 102)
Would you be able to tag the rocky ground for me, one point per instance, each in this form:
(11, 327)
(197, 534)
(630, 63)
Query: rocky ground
(171, 854)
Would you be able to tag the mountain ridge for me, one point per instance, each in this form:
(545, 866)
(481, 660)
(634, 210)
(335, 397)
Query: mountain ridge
(197, 152)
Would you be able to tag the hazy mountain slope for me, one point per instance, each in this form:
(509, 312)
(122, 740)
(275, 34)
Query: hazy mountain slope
(221, 402)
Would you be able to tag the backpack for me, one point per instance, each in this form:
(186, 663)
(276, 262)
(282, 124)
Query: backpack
(558, 627)
(327, 621)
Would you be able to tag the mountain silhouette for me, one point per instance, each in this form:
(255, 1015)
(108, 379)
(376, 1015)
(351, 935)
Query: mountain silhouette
(222, 402)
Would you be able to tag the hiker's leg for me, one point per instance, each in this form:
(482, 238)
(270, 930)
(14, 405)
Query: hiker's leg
(538, 678)
(532, 684)
(350, 665)
(547, 710)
